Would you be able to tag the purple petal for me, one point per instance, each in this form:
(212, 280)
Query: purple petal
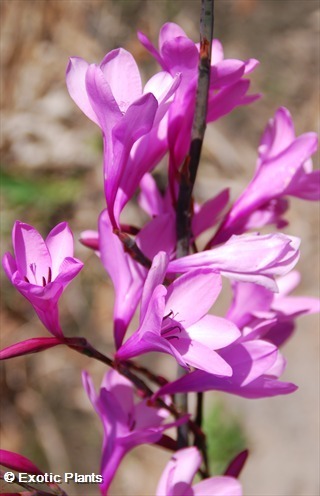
(179, 472)
(31, 253)
(69, 268)
(32, 345)
(9, 265)
(218, 486)
(121, 72)
(253, 258)
(76, 84)
(159, 234)
(154, 278)
(197, 381)
(102, 100)
(201, 357)
(150, 198)
(209, 213)
(60, 245)
(191, 296)
(214, 332)
(226, 72)
(144, 40)
(127, 276)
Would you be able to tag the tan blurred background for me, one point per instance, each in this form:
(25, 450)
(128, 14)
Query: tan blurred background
(51, 171)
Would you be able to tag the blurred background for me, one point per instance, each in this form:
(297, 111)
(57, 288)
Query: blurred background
(51, 157)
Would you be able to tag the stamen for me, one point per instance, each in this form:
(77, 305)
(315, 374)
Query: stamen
(170, 329)
(49, 275)
(26, 279)
(168, 315)
(43, 281)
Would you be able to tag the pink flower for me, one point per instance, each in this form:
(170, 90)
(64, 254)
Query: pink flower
(175, 320)
(284, 168)
(228, 89)
(253, 258)
(256, 368)
(177, 478)
(131, 120)
(126, 424)
(41, 270)
(260, 313)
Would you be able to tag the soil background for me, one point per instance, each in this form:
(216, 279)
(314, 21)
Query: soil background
(51, 158)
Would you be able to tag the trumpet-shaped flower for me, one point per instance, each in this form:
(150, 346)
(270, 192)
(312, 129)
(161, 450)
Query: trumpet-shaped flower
(284, 168)
(253, 258)
(126, 424)
(177, 477)
(131, 119)
(256, 368)
(259, 313)
(175, 320)
(228, 88)
(41, 270)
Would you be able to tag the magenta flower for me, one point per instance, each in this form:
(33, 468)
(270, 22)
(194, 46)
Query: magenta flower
(178, 54)
(175, 320)
(283, 162)
(256, 368)
(253, 258)
(126, 424)
(271, 316)
(132, 120)
(41, 270)
(177, 478)
(127, 276)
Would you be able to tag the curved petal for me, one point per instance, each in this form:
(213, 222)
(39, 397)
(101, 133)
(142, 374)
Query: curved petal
(180, 470)
(214, 332)
(9, 264)
(76, 84)
(60, 245)
(218, 486)
(191, 296)
(197, 355)
(31, 253)
(121, 72)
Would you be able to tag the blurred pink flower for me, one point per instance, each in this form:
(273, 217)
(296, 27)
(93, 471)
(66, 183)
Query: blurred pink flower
(126, 424)
(177, 478)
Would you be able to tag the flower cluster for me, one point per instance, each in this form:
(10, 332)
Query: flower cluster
(238, 354)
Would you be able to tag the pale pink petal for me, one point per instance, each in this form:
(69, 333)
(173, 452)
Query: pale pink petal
(179, 471)
(192, 295)
(214, 332)
(121, 72)
(32, 256)
(60, 245)
(76, 84)
(218, 486)
(201, 357)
